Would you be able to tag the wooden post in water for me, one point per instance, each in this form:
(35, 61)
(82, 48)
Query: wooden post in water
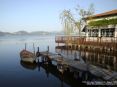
(38, 65)
(38, 53)
(25, 46)
(48, 49)
(33, 48)
(38, 49)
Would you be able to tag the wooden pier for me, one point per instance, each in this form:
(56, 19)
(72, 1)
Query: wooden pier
(96, 43)
(76, 65)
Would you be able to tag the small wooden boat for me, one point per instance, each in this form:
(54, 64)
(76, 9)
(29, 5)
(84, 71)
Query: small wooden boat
(27, 56)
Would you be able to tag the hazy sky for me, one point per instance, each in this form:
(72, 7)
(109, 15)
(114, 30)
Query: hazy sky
(42, 15)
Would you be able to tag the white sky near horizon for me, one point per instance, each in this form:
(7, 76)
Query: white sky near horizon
(43, 15)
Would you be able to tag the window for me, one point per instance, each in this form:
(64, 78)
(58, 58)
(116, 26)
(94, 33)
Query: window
(107, 32)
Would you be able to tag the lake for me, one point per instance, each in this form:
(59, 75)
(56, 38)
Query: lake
(15, 73)
(12, 73)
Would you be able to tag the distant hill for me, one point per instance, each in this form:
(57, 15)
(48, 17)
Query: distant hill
(4, 33)
(1, 33)
(39, 33)
(21, 33)
(30, 33)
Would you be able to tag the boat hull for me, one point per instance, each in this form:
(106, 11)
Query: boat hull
(27, 56)
(28, 59)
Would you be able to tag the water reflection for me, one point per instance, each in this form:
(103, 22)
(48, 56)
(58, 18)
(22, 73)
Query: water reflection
(102, 60)
(27, 65)
(73, 79)
(106, 61)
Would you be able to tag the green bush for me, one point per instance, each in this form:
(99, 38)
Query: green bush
(103, 22)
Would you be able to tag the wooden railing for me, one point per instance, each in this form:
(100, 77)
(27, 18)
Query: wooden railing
(92, 41)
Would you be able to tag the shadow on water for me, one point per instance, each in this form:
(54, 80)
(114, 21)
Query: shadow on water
(27, 65)
(104, 60)
(73, 79)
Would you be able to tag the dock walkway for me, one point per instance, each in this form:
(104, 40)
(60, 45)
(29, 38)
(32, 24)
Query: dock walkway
(80, 65)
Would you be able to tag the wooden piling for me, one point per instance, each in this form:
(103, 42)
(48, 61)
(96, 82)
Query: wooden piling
(38, 53)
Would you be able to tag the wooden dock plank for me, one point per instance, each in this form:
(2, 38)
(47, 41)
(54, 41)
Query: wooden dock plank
(81, 65)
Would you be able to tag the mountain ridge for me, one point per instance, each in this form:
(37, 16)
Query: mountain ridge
(30, 33)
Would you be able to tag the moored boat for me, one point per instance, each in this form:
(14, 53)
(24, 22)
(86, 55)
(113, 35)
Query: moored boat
(27, 56)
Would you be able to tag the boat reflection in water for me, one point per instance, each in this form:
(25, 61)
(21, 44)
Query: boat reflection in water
(73, 79)
(28, 65)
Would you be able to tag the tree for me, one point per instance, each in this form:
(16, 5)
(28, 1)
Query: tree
(69, 22)
(85, 13)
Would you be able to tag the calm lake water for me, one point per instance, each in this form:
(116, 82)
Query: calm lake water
(15, 73)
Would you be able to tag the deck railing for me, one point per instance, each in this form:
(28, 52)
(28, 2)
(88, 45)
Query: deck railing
(92, 41)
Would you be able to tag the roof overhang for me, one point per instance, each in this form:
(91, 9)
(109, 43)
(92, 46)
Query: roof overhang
(105, 14)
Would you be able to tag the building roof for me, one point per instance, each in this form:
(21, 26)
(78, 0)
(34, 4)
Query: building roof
(105, 14)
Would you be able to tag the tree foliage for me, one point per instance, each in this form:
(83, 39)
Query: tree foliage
(67, 21)
(85, 13)
(70, 23)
